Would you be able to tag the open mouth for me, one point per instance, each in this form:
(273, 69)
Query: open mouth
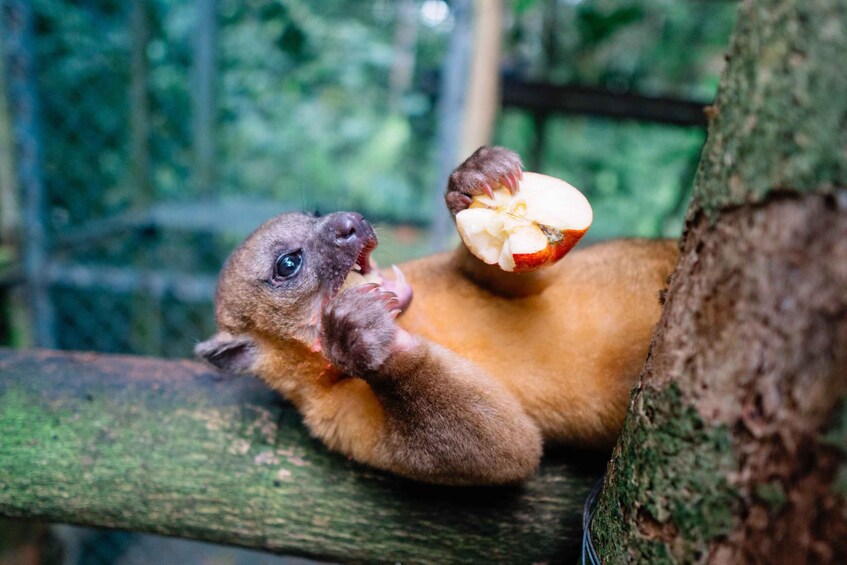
(365, 271)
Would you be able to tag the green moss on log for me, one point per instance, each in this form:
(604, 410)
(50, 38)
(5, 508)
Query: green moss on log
(669, 477)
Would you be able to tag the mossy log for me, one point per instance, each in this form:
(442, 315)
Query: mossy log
(174, 448)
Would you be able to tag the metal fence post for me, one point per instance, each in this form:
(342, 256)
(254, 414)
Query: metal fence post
(23, 94)
(451, 103)
(203, 95)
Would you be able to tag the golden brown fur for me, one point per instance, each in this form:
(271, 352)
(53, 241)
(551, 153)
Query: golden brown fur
(569, 354)
(480, 369)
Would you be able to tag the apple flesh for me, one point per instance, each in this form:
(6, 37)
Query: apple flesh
(355, 278)
(528, 230)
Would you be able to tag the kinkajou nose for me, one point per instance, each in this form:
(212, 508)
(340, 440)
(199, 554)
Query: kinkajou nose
(347, 226)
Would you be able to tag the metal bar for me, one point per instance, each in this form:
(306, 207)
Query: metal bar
(140, 106)
(570, 99)
(204, 95)
(10, 213)
(451, 101)
(23, 94)
(132, 280)
(539, 141)
(99, 230)
(542, 97)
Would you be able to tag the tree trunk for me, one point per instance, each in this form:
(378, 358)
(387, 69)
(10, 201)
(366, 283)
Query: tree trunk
(734, 447)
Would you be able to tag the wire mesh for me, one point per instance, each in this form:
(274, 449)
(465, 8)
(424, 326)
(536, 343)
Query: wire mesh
(138, 213)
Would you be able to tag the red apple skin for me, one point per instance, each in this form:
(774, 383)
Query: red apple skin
(526, 262)
(569, 240)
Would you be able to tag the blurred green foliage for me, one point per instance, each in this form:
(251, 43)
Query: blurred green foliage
(636, 176)
(305, 115)
(654, 47)
(308, 115)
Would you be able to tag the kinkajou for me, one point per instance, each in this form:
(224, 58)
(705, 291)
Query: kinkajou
(463, 384)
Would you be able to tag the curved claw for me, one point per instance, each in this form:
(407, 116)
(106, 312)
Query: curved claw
(504, 182)
(515, 182)
(367, 288)
(485, 170)
(508, 183)
(389, 299)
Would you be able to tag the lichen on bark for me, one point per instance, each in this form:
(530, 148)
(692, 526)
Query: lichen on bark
(750, 356)
(670, 480)
(780, 118)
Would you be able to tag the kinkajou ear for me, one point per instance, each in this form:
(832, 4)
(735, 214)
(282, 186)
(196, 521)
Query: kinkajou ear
(229, 353)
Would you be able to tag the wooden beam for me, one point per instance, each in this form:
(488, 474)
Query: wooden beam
(482, 101)
(173, 448)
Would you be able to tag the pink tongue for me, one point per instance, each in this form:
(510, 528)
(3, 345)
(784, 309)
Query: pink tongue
(400, 287)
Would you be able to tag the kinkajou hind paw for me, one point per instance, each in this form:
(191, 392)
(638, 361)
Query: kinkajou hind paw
(480, 174)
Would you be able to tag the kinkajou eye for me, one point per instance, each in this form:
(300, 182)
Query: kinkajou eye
(288, 264)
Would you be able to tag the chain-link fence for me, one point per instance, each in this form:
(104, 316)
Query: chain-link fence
(167, 130)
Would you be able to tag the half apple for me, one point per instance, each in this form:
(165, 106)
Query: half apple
(528, 230)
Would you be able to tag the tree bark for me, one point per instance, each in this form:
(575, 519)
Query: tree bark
(734, 447)
(174, 448)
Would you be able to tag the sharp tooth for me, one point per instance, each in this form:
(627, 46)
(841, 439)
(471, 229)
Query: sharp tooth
(357, 267)
(398, 274)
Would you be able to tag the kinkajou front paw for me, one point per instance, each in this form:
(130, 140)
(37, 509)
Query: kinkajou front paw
(358, 332)
(480, 174)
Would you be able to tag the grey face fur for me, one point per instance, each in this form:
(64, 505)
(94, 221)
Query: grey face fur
(276, 283)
